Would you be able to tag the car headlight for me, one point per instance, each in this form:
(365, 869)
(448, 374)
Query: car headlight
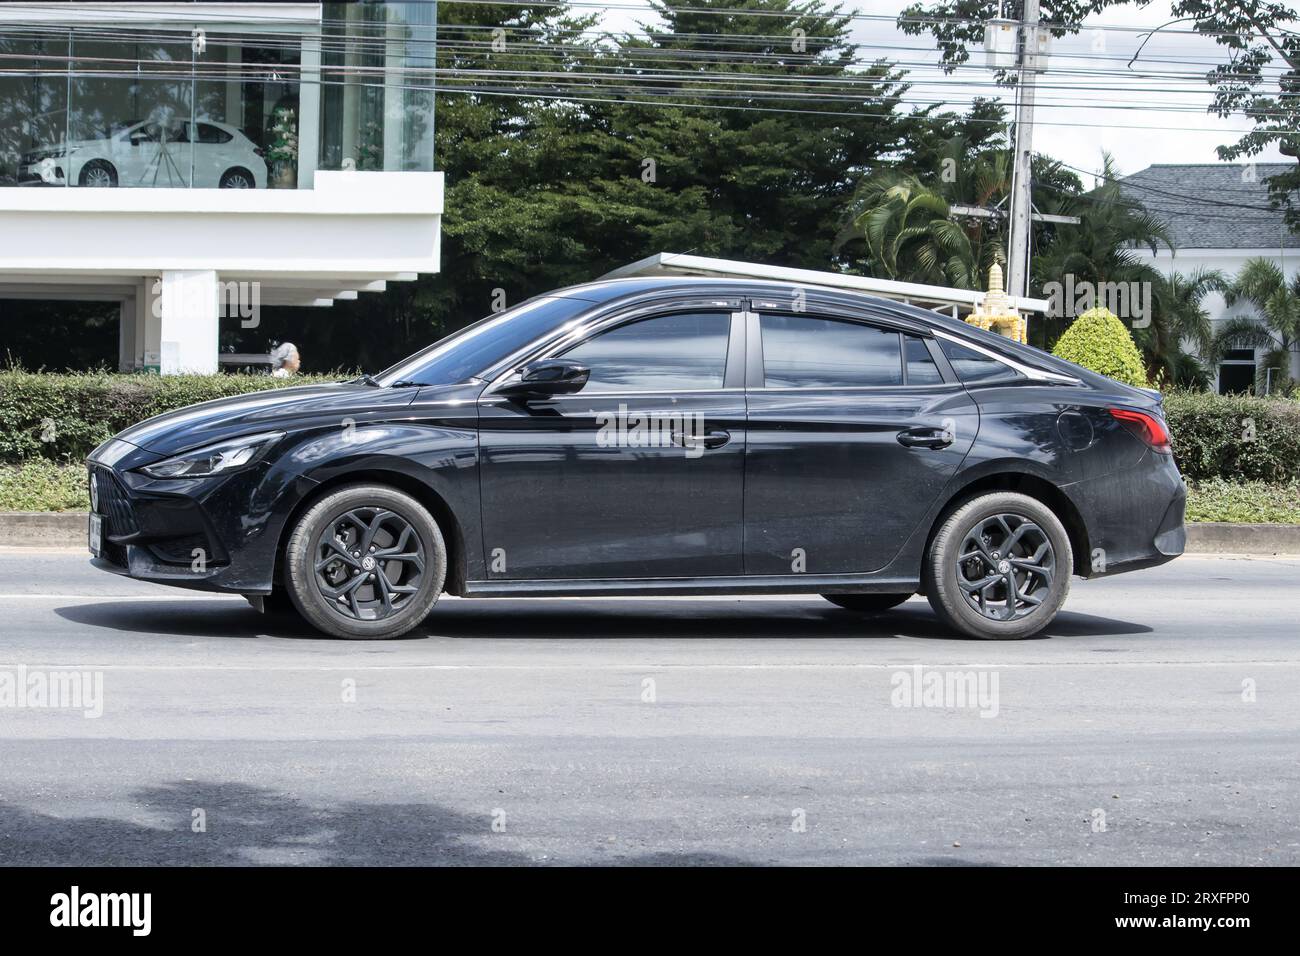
(215, 459)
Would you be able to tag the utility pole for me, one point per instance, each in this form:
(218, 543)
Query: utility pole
(1021, 178)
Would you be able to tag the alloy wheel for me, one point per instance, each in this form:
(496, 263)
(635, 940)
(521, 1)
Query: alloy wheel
(1005, 567)
(369, 564)
(236, 181)
(98, 177)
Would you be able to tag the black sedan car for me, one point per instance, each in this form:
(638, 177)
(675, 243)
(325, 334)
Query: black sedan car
(659, 436)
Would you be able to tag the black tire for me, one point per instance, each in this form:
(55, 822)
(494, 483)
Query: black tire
(1027, 586)
(237, 178)
(338, 547)
(97, 172)
(867, 603)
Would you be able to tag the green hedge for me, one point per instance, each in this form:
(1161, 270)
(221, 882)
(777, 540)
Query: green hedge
(1099, 341)
(62, 417)
(1235, 437)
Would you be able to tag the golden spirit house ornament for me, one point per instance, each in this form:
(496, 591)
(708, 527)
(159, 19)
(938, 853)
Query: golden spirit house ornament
(996, 314)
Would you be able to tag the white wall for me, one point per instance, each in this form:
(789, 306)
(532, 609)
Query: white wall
(1229, 262)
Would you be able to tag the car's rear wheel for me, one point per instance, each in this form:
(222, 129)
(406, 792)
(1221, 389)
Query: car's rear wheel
(867, 603)
(97, 173)
(999, 567)
(366, 562)
(237, 178)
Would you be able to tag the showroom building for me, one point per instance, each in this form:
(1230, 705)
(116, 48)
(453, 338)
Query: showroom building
(196, 161)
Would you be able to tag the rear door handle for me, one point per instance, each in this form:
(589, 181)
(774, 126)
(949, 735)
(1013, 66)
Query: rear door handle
(925, 438)
(713, 439)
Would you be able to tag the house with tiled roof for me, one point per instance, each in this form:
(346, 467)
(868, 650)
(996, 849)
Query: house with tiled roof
(1218, 216)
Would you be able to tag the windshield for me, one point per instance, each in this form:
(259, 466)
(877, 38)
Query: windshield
(463, 354)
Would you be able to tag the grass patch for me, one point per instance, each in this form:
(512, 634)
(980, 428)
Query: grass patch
(1246, 502)
(39, 485)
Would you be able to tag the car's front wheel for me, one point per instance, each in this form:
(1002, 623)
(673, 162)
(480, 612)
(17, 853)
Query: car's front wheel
(867, 603)
(999, 567)
(365, 562)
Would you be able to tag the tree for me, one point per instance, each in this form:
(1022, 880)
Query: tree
(908, 226)
(1102, 249)
(1099, 341)
(1258, 78)
(1276, 326)
(1177, 316)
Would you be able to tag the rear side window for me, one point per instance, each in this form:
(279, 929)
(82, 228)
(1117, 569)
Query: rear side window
(213, 134)
(807, 352)
(921, 369)
(972, 366)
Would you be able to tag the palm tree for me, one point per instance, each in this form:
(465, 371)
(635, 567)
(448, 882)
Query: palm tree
(1276, 327)
(908, 228)
(1177, 317)
(1103, 247)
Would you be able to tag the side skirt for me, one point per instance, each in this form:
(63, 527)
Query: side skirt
(740, 584)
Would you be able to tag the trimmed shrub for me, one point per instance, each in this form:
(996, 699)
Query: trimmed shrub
(1098, 341)
(1234, 437)
(62, 417)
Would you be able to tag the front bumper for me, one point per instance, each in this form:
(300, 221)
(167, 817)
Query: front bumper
(209, 534)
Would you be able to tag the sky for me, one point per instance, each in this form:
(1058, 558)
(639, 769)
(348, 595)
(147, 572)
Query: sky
(1139, 121)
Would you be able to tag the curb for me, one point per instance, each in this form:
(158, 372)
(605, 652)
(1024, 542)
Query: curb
(67, 529)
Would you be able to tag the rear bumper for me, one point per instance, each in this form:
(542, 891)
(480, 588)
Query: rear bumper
(1134, 517)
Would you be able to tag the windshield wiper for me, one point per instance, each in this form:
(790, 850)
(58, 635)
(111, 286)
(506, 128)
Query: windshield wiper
(406, 383)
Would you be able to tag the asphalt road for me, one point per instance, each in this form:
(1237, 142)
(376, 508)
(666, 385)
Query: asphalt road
(757, 731)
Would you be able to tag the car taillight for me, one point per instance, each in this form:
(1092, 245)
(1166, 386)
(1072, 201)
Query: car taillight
(258, 151)
(1150, 429)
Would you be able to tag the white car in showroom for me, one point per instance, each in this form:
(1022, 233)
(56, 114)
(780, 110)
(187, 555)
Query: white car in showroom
(152, 154)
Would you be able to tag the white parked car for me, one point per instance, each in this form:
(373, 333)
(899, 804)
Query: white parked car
(152, 154)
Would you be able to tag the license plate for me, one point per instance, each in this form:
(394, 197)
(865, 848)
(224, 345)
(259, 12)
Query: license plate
(96, 534)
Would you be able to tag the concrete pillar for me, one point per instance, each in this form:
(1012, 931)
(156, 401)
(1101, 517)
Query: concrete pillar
(148, 312)
(348, 137)
(394, 95)
(189, 322)
(126, 337)
(309, 111)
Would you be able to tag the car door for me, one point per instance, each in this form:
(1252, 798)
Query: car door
(854, 427)
(639, 474)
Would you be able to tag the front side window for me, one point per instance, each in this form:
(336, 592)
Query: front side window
(682, 352)
(807, 352)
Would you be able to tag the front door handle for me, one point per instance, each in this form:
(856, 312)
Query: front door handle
(925, 437)
(712, 439)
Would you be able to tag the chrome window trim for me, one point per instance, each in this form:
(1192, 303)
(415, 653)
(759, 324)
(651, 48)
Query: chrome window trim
(1028, 371)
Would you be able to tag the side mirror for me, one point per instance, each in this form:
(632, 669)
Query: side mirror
(548, 377)
(137, 138)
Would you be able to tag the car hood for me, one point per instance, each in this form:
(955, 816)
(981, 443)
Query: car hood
(277, 409)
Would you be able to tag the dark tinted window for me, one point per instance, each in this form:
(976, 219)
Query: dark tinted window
(213, 134)
(805, 352)
(972, 366)
(670, 352)
(921, 369)
(477, 347)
